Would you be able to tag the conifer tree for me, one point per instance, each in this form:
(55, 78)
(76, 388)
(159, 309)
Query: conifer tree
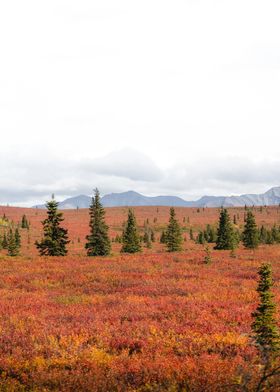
(13, 248)
(174, 237)
(55, 237)
(5, 241)
(275, 234)
(24, 222)
(130, 239)
(250, 235)
(226, 239)
(201, 238)
(17, 238)
(264, 326)
(147, 239)
(263, 235)
(148, 235)
(191, 234)
(163, 237)
(98, 241)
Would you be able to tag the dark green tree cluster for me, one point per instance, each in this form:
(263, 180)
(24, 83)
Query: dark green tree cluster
(4, 241)
(11, 241)
(98, 241)
(14, 242)
(208, 235)
(174, 238)
(269, 236)
(131, 238)
(55, 237)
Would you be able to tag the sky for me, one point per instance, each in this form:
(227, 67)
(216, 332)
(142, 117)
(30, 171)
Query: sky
(162, 97)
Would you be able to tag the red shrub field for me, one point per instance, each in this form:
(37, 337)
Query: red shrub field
(153, 321)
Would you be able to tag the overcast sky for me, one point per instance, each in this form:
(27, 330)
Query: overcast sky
(162, 97)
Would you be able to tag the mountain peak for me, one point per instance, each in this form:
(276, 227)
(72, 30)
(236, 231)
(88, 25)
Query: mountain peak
(132, 199)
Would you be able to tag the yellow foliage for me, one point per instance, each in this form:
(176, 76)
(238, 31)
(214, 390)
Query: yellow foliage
(231, 338)
(99, 356)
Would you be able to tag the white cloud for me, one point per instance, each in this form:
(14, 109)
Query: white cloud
(178, 82)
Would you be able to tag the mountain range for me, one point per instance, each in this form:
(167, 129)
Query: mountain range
(131, 198)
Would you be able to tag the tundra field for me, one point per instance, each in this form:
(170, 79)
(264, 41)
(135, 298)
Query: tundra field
(153, 321)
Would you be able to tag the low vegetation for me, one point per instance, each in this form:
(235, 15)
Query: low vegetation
(159, 309)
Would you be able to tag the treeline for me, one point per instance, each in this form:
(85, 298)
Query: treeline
(268, 236)
(226, 236)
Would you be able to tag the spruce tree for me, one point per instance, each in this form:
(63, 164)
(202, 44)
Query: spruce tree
(250, 235)
(55, 237)
(263, 235)
(264, 326)
(98, 241)
(201, 238)
(17, 238)
(226, 239)
(191, 234)
(163, 237)
(174, 237)
(24, 222)
(13, 248)
(5, 241)
(147, 238)
(131, 240)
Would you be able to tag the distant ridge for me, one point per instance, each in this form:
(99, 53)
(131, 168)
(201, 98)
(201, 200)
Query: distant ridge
(133, 199)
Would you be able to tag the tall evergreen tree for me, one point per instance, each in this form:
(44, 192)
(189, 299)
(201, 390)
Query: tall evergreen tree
(24, 222)
(226, 238)
(131, 240)
(147, 238)
(250, 235)
(201, 238)
(191, 234)
(5, 241)
(98, 241)
(263, 235)
(13, 247)
(264, 326)
(55, 238)
(174, 236)
(17, 238)
(162, 239)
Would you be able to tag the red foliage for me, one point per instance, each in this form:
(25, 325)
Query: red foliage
(146, 322)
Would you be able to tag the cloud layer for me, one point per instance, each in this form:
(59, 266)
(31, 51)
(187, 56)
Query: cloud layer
(28, 179)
